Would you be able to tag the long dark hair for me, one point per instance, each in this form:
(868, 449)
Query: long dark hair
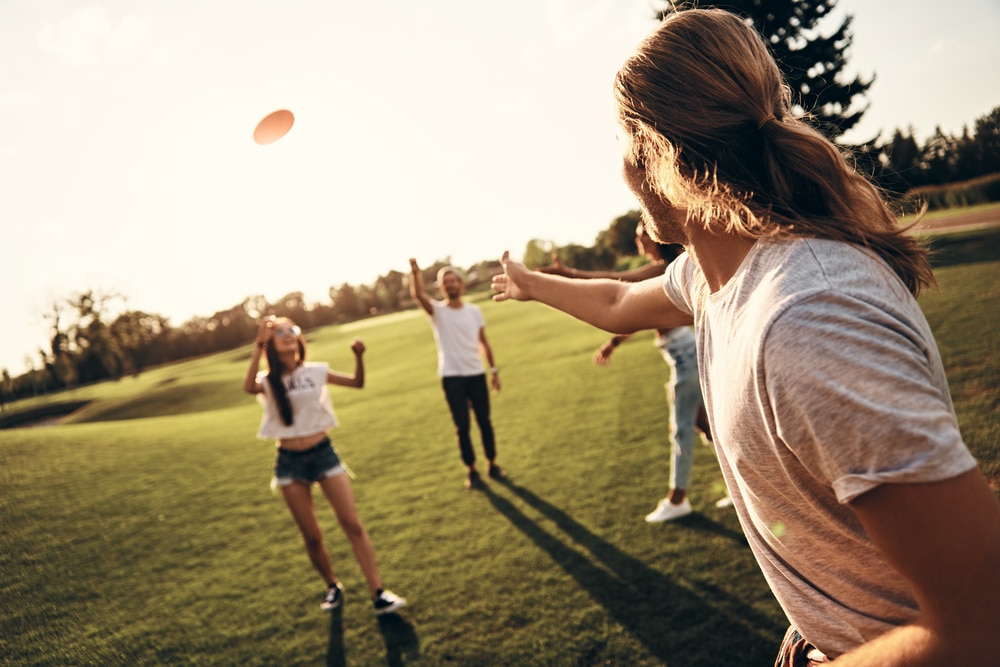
(274, 372)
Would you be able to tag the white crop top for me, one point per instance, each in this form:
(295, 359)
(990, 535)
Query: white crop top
(312, 411)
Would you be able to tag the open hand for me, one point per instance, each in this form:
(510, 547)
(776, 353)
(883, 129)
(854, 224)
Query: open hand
(603, 355)
(265, 330)
(511, 283)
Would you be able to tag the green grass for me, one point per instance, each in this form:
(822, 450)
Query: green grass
(142, 531)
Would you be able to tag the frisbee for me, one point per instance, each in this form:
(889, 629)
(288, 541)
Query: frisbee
(273, 126)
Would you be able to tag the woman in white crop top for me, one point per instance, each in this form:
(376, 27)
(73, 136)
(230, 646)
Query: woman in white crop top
(298, 413)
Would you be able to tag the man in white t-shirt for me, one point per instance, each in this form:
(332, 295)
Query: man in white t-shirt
(460, 333)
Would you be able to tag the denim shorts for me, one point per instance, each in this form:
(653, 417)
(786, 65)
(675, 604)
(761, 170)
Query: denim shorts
(307, 466)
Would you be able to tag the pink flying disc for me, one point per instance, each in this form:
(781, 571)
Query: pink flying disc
(273, 126)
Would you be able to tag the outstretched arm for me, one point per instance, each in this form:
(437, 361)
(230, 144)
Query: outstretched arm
(417, 290)
(644, 272)
(944, 539)
(611, 305)
(358, 379)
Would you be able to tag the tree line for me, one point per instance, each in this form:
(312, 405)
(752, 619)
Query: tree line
(95, 336)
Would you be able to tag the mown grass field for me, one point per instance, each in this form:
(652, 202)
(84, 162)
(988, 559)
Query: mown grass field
(141, 530)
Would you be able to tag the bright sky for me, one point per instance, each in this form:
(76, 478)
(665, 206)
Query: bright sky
(431, 129)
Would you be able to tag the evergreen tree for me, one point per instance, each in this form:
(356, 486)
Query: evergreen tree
(812, 63)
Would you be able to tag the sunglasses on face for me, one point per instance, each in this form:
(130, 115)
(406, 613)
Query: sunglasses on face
(293, 331)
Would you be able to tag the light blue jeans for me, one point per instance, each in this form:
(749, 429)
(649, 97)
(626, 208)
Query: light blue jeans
(683, 398)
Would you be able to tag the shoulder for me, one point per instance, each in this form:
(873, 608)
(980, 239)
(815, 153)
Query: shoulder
(681, 282)
(313, 368)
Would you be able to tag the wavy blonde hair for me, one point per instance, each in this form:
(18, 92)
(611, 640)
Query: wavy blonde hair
(708, 115)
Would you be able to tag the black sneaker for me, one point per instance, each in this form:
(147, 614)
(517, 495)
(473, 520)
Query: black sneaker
(473, 481)
(496, 473)
(332, 598)
(388, 602)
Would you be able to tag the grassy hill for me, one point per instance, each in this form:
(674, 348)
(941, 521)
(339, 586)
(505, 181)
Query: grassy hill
(141, 529)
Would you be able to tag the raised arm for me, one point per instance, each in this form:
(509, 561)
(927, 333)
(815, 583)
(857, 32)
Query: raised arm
(417, 290)
(611, 305)
(357, 380)
(944, 538)
(264, 334)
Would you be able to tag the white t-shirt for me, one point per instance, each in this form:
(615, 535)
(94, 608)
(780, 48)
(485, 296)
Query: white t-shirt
(312, 411)
(456, 331)
(822, 380)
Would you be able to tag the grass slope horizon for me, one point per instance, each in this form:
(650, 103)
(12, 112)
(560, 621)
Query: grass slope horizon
(141, 530)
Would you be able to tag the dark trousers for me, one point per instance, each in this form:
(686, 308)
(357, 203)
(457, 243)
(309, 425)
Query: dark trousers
(461, 394)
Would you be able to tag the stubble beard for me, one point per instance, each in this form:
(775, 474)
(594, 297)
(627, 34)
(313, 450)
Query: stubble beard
(668, 229)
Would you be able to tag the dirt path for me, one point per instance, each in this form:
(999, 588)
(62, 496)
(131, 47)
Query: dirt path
(963, 220)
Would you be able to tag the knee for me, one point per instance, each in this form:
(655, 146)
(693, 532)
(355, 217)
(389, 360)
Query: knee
(313, 540)
(352, 528)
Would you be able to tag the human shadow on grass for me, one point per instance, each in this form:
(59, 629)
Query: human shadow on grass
(704, 524)
(400, 639)
(335, 656)
(398, 634)
(676, 624)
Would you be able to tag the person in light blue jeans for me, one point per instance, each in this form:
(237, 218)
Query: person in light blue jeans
(684, 399)
(687, 416)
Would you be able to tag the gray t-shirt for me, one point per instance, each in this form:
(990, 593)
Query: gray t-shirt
(822, 381)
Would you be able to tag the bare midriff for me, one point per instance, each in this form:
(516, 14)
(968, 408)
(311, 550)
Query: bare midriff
(301, 443)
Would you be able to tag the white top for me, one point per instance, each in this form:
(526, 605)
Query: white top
(822, 380)
(456, 331)
(312, 411)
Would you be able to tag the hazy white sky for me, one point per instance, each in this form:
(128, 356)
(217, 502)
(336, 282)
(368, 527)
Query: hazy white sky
(433, 129)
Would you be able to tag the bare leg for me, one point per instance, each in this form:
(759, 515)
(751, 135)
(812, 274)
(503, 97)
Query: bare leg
(299, 499)
(338, 491)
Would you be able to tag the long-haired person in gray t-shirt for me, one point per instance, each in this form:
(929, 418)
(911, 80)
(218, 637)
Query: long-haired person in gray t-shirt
(827, 398)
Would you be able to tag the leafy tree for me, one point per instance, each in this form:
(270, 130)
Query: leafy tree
(538, 253)
(345, 302)
(813, 64)
(987, 138)
(391, 289)
(6, 389)
(902, 158)
(938, 157)
(595, 258)
(140, 337)
(619, 238)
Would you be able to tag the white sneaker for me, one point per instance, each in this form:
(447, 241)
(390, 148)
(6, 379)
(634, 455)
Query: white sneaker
(667, 511)
(388, 602)
(723, 503)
